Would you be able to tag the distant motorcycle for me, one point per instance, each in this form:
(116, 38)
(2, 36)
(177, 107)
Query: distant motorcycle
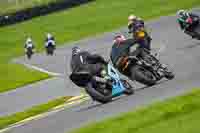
(194, 28)
(146, 70)
(50, 47)
(99, 91)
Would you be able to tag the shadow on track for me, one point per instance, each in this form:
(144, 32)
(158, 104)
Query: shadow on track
(93, 104)
(190, 46)
(158, 83)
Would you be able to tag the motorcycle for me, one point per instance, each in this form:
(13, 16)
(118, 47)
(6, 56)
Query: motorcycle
(146, 70)
(193, 27)
(50, 47)
(101, 91)
(29, 52)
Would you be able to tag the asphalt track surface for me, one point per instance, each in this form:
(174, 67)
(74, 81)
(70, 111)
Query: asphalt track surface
(34, 94)
(181, 52)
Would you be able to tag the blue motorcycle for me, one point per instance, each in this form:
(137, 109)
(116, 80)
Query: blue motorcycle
(98, 89)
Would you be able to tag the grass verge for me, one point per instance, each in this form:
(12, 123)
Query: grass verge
(16, 75)
(76, 23)
(14, 118)
(179, 114)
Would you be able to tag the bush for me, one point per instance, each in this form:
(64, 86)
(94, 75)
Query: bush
(28, 13)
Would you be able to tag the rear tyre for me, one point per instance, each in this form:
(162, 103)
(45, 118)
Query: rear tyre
(143, 76)
(197, 32)
(98, 96)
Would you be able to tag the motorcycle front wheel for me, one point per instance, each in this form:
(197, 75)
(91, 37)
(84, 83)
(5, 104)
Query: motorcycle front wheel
(129, 89)
(29, 54)
(169, 75)
(143, 76)
(97, 95)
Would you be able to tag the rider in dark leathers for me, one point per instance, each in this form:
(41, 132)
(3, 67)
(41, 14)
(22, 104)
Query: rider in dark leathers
(121, 49)
(50, 40)
(132, 21)
(84, 61)
(29, 44)
(133, 24)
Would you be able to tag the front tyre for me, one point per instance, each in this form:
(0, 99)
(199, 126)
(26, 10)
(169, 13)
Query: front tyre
(129, 89)
(143, 76)
(169, 75)
(50, 50)
(96, 95)
(29, 54)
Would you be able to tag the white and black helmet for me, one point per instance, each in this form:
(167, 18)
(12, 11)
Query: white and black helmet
(29, 40)
(182, 13)
(132, 17)
(49, 35)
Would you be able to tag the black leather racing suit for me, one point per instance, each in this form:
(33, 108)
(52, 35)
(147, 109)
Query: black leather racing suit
(88, 62)
(133, 27)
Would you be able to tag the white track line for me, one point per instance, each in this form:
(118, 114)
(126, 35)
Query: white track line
(42, 70)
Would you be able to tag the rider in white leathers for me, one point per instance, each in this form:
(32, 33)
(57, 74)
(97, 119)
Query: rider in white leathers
(29, 44)
(50, 40)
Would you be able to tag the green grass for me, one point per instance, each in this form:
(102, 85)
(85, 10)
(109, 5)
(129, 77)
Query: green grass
(14, 118)
(7, 6)
(74, 24)
(177, 115)
(14, 75)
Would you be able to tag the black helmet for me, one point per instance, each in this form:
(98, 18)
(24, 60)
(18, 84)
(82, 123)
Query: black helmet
(75, 50)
